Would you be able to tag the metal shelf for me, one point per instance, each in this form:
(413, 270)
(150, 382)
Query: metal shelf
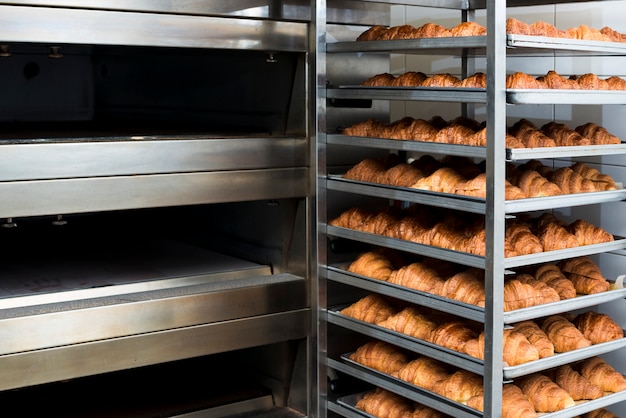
(431, 94)
(470, 204)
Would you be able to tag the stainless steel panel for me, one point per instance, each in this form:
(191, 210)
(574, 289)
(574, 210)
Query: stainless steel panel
(569, 45)
(92, 157)
(65, 323)
(54, 364)
(556, 96)
(98, 27)
(79, 195)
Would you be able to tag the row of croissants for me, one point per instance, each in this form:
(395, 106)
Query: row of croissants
(526, 341)
(515, 80)
(382, 403)
(542, 392)
(513, 26)
(467, 131)
(462, 176)
(531, 286)
(465, 232)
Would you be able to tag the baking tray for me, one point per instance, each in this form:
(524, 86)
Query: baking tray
(340, 274)
(444, 45)
(465, 361)
(512, 154)
(564, 96)
(470, 259)
(432, 94)
(468, 203)
(581, 407)
(566, 44)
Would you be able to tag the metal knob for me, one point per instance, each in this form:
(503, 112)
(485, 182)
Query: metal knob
(59, 221)
(8, 223)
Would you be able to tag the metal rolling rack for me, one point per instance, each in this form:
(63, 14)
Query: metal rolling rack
(496, 45)
(167, 314)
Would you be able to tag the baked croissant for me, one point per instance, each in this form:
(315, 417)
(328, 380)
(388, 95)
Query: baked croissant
(419, 277)
(372, 308)
(424, 372)
(570, 181)
(563, 135)
(587, 233)
(597, 134)
(516, 348)
(520, 80)
(598, 327)
(551, 275)
(602, 374)
(452, 335)
(373, 33)
(563, 334)
(514, 403)
(465, 287)
(412, 322)
(585, 275)
(554, 236)
(372, 264)
(544, 394)
(545, 293)
(443, 180)
(353, 218)
(382, 403)
(519, 295)
(599, 413)
(578, 386)
(460, 386)
(534, 184)
(536, 337)
(603, 181)
(522, 238)
(381, 356)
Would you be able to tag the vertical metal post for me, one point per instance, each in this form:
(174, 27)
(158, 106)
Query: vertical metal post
(494, 219)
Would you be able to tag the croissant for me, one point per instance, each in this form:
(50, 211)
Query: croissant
(419, 277)
(545, 294)
(353, 218)
(522, 239)
(536, 337)
(372, 308)
(442, 80)
(534, 184)
(398, 32)
(602, 374)
(409, 79)
(443, 180)
(599, 413)
(475, 81)
(514, 403)
(372, 264)
(585, 275)
(452, 335)
(554, 236)
(432, 30)
(597, 134)
(563, 334)
(421, 130)
(381, 356)
(468, 29)
(551, 275)
(465, 287)
(519, 80)
(530, 135)
(383, 79)
(598, 327)
(460, 386)
(564, 135)
(603, 181)
(454, 134)
(541, 28)
(410, 321)
(382, 403)
(377, 223)
(544, 394)
(588, 233)
(519, 295)
(591, 81)
(402, 175)
(556, 81)
(570, 181)
(578, 386)
(424, 372)
(516, 348)
(367, 128)
(373, 33)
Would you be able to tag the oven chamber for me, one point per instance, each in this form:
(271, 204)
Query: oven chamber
(156, 208)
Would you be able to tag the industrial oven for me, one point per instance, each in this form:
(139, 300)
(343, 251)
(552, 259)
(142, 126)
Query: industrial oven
(156, 208)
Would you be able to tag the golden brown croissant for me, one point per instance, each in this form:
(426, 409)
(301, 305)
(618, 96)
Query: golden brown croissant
(409, 79)
(534, 184)
(424, 372)
(372, 264)
(468, 29)
(516, 348)
(598, 327)
(381, 356)
(603, 181)
(599, 413)
(554, 236)
(613, 35)
(514, 403)
(541, 28)
(419, 277)
(410, 321)
(475, 81)
(377, 223)
(383, 79)
(553, 80)
(616, 83)
(519, 80)
(551, 275)
(526, 131)
(373, 33)
(591, 81)
(563, 334)
(398, 32)
(602, 374)
(454, 134)
(453, 335)
(563, 135)
(517, 27)
(372, 308)
(522, 238)
(545, 294)
(367, 128)
(442, 80)
(369, 169)
(382, 403)
(460, 386)
(585, 275)
(353, 218)
(432, 30)
(443, 180)
(570, 181)
(578, 386)
(544, 394)
(536, 337)
(477, 187)
(402, 175)
(597, 134)
(465, 287)
(588, 233)
(519, 294)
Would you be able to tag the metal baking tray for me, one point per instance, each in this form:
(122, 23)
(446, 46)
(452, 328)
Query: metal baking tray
(465, 361)
(566, 44)
(470, 259)
(350, 402)
(444, 45)
(581, 407)
(432, 94)
(472, 312)
(402, 388)
(562, 96)
(471, 204)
